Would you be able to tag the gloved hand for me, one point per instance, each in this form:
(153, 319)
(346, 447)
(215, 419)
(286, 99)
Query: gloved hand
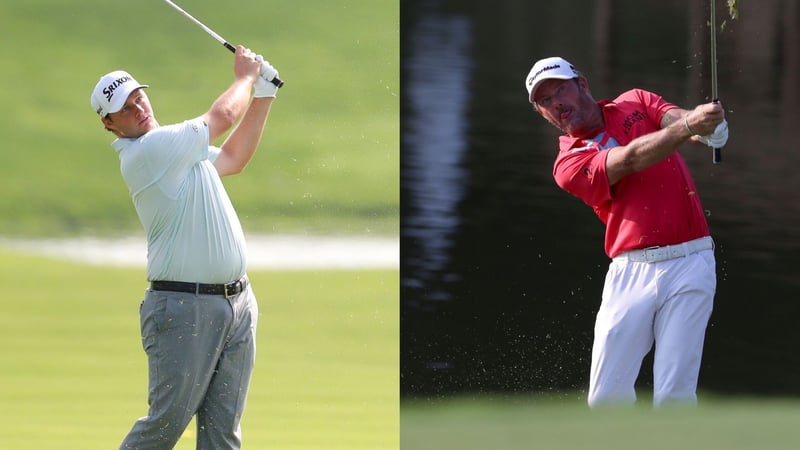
(263, 86)
(718, 138)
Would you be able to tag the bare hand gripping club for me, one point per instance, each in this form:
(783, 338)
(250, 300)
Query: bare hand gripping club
(276, 81)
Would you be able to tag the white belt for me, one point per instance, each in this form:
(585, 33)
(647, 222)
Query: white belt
(663, 253)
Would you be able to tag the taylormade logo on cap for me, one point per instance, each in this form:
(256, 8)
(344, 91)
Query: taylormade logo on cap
(112, 90)
(548, 68)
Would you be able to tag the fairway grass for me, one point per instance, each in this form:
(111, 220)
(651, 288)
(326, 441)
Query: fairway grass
(566, 423)
(74, 373)
(329, 160)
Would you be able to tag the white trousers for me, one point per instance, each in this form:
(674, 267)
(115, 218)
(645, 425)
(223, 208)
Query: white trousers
(667, 303)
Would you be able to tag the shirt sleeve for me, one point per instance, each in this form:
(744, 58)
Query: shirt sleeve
(172, 150)
(654, 104)
(213, 153)
(582, 173)
(184, 143)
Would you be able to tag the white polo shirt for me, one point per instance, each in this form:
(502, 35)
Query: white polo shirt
(193, 232)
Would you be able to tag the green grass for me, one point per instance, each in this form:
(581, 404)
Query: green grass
(329, 161)
(566, 423)
(74, 373)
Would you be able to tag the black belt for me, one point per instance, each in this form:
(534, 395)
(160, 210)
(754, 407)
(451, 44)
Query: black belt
(228, 290)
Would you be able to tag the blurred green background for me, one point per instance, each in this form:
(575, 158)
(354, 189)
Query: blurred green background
(329, 162)
(564, 422)
(74, 373)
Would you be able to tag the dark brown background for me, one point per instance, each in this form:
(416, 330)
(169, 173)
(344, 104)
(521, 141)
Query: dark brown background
(501, 272)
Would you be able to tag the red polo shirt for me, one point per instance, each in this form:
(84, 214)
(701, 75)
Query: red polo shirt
(657, 206)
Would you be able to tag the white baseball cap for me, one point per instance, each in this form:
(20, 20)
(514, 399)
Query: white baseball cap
(547, 68)
(112, 90)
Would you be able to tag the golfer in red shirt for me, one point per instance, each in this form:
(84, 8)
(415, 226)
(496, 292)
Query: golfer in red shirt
(620, 157)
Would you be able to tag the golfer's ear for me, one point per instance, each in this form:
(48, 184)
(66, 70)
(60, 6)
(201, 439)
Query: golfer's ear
(107, 122)
(583, 83)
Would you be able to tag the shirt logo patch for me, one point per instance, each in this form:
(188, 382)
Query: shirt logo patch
(631, 120)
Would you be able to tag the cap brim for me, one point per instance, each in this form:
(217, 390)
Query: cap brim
(539, 82)
(119, 100)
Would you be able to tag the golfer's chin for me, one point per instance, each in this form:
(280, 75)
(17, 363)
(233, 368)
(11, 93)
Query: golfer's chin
(148, 122)
(147, 125)
(139, 131)
(577, 131)
(569, 126)
(572, 130)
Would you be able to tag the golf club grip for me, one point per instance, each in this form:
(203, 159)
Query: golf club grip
(717, 155)
(276, 81)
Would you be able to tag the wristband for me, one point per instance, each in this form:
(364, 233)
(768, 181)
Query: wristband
(686, 123)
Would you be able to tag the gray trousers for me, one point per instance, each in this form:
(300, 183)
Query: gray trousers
(200, 351)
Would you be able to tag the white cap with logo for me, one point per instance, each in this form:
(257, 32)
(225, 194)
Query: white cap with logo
(548, 68)
(112, 91)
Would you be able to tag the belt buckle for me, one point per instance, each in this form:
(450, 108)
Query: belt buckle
(233, 288)
(647, 252)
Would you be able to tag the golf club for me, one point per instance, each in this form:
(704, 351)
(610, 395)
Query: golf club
(276, 81)
(717, 157)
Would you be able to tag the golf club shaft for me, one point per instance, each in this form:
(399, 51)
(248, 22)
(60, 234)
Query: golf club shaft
(276, 81)
(717, 157)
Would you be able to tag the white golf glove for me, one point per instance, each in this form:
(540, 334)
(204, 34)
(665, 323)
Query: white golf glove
(718, 138)
(263, 86)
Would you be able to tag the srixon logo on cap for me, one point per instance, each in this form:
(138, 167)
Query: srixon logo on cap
(109, 90)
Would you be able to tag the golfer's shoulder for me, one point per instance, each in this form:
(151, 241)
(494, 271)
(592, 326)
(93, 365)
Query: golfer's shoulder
(637, 102)
(173, 133)
(636, 94)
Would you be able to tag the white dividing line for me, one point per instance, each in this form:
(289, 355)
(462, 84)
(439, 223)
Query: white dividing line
(264, 251)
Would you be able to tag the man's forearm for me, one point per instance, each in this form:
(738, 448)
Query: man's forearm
(652, 148)
(242, 143)
(645, 151)
(228, 108)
